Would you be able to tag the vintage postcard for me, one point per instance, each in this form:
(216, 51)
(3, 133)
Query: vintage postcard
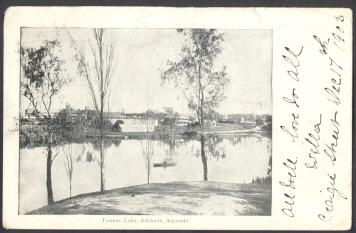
(177, 118)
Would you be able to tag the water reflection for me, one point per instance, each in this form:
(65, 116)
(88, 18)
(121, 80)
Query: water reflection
(247, 157)
(147, 146)
(90, 157)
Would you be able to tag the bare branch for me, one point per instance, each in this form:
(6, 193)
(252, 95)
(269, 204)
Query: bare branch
(55, 156)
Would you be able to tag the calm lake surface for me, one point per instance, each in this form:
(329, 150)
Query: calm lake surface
(247, 157)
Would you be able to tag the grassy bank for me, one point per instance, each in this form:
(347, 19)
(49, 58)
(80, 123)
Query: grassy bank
(180, 198)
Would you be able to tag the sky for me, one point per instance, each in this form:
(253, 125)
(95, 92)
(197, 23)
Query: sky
(140, 54)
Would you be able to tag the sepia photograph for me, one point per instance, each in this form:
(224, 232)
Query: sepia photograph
(175, 118)
(140, 121)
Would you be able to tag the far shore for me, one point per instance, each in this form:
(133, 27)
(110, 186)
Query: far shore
(163, 132)
(179, 132)
(174, 198)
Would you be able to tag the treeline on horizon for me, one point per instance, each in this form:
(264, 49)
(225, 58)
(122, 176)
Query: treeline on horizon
(156, 114)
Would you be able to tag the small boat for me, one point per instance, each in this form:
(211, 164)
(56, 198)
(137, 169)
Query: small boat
(165, 164)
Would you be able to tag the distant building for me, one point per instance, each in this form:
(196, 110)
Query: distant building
(210, 123)
(182, 121)
(247, 120)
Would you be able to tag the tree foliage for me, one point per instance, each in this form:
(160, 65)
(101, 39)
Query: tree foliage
(195, 74)
(201, 82)
(68, 124)
(44, 75)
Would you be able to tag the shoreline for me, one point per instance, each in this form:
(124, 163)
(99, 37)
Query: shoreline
(158, 135)
(173, 198)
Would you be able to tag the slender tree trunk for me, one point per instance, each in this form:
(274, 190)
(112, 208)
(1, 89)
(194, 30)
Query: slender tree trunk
(148, 164)
(202, 140)
(102, 155)
(203, 157)
(70, 188)
(102, 164)
(49, 175)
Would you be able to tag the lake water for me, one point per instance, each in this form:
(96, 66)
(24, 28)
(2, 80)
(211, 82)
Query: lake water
(247, 157)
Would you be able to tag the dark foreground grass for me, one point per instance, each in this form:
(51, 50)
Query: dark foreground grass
(181, 198)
